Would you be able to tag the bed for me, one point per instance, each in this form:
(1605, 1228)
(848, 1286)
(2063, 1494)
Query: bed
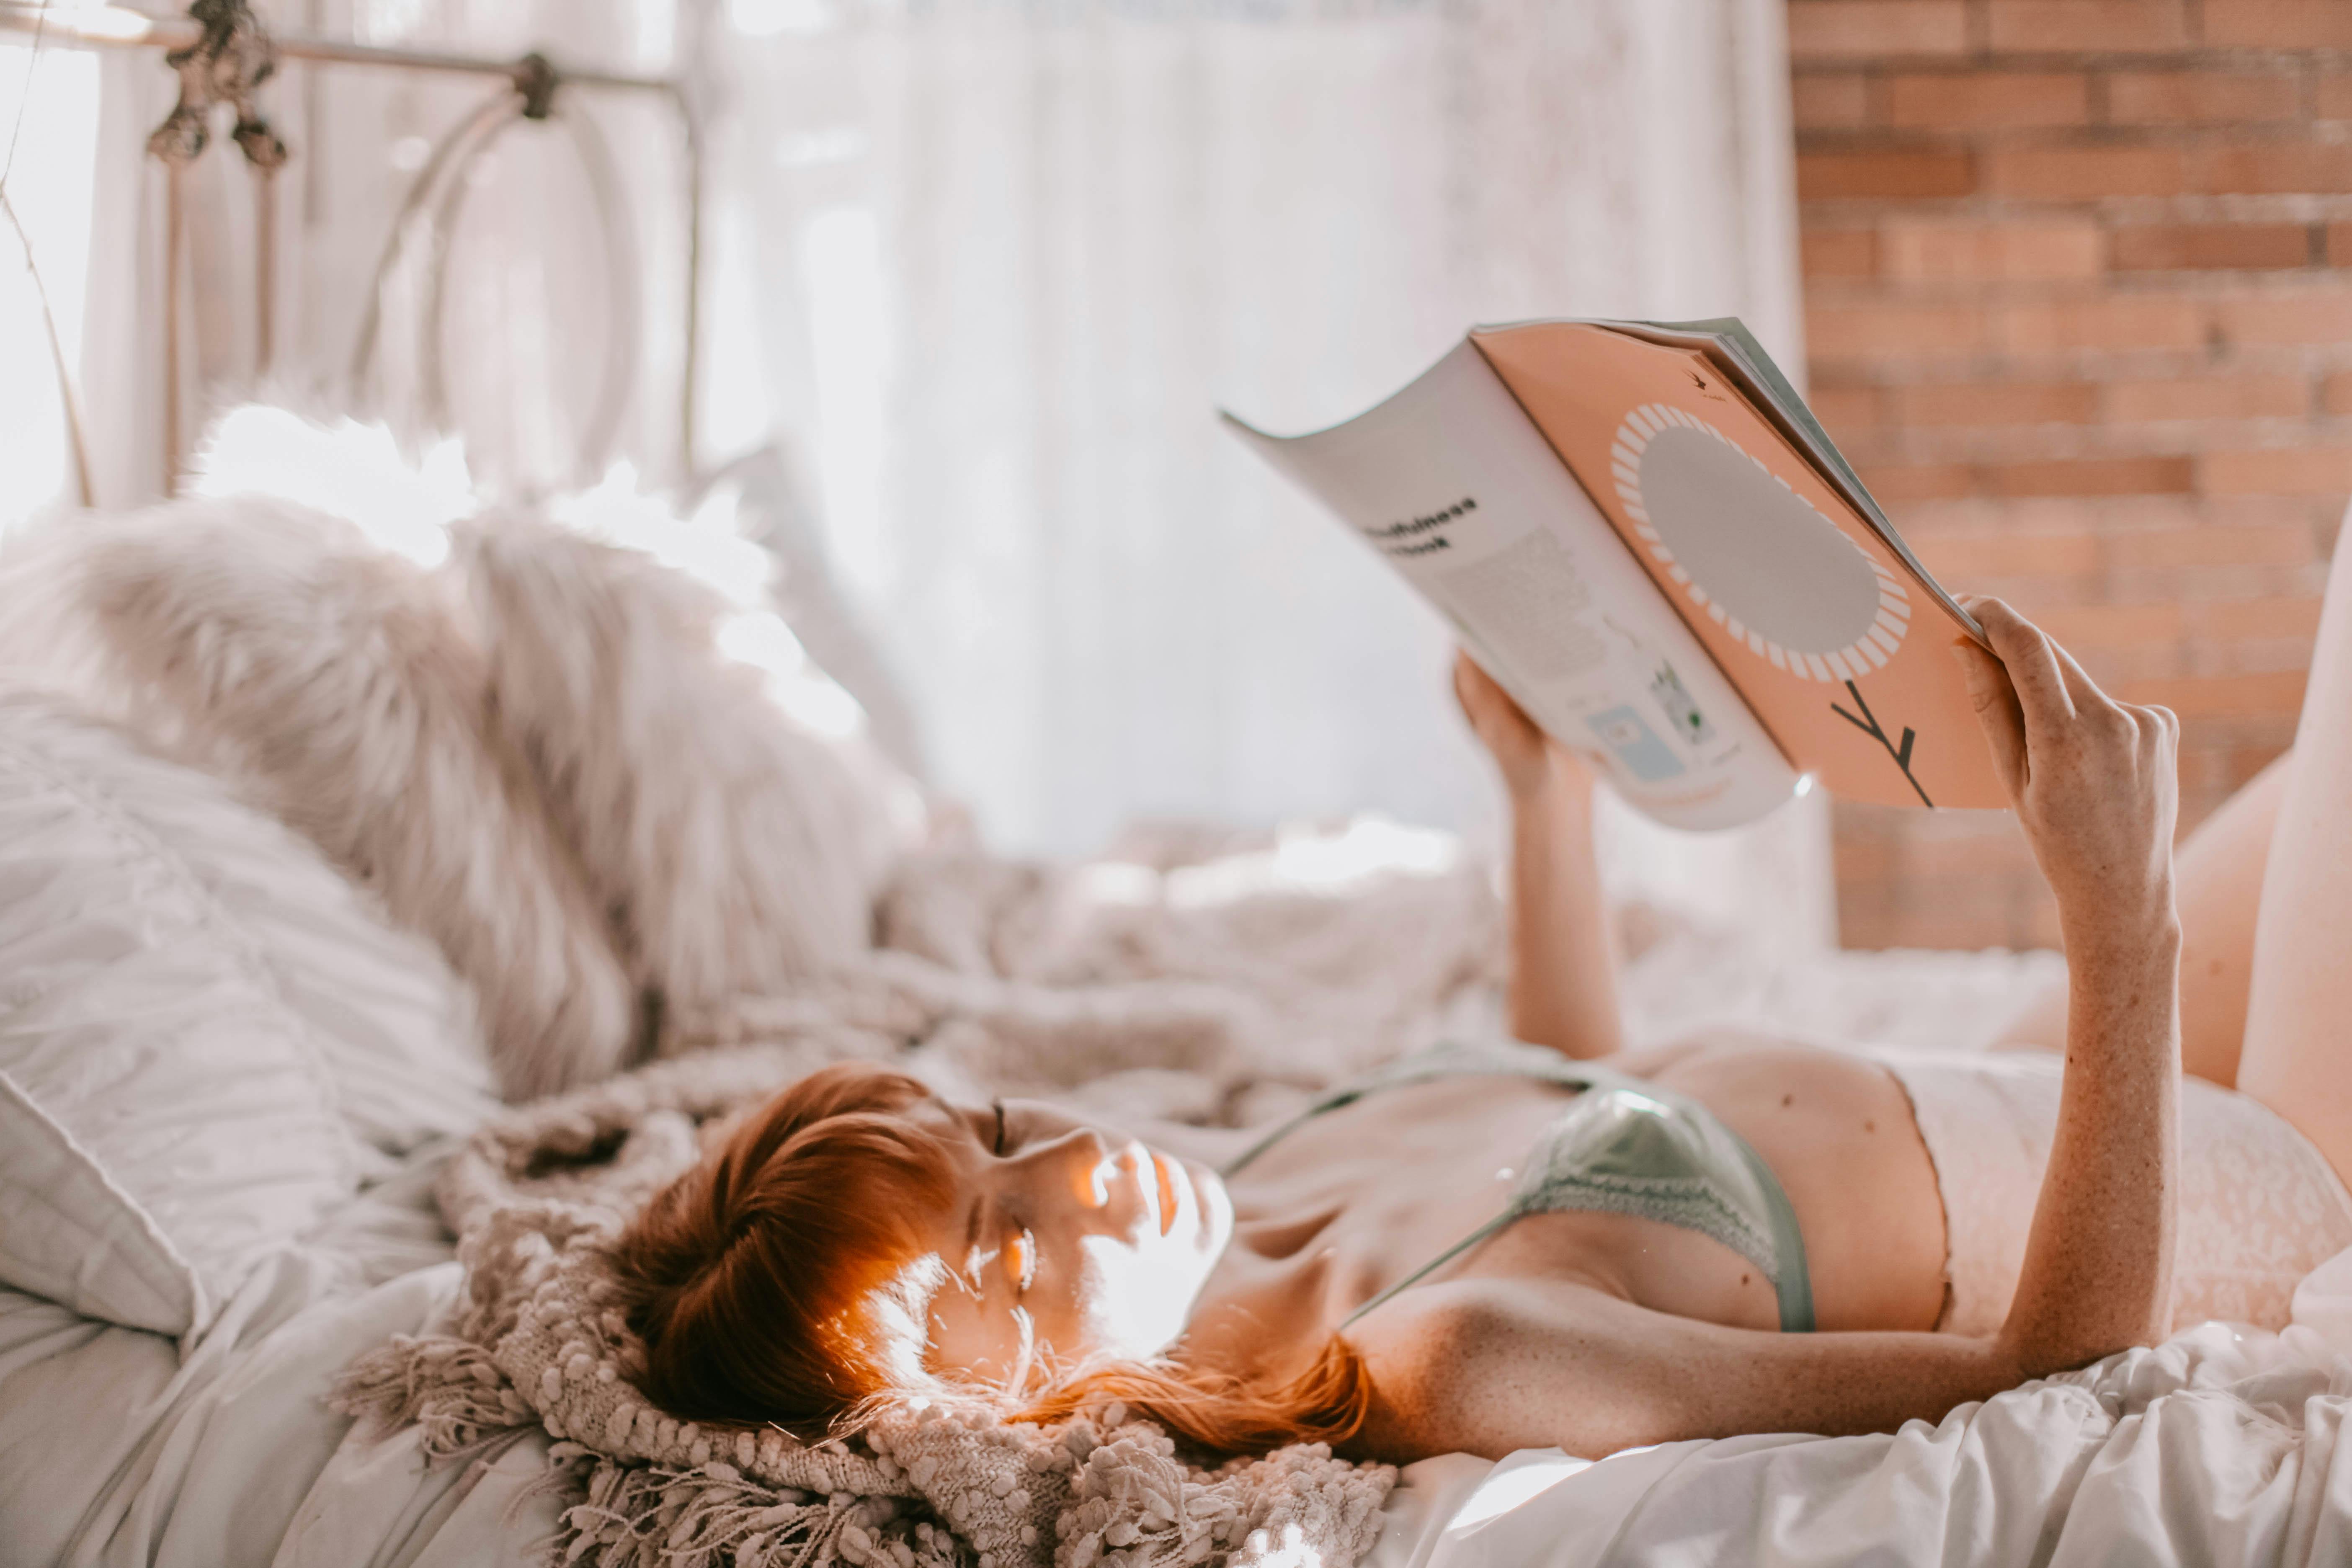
(232, 1076)
(201, 1435)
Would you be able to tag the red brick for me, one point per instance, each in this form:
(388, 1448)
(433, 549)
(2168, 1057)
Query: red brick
(1840, 252)
(2301, 316)
(2116, 321)
(1885, 333)
(1989, 100)
(1916, 251)
(2209, 397)
(2087, 173)
(2263, 544)
(1998, 403)
(2093, 477)
(1870, 29)
(2336, 98)
(2335, 394)
(2271, 168)
(1919, 481)
(2187, 247)
(2008, 554)
(1839, 102)
(2232, 619)
(2339, 245)
(2278, 24)
(2054, 26)
(2200, 98)
(1845, 408)
(1902, 176)
(2223, 695)
(2110, 626)
(2294, 471)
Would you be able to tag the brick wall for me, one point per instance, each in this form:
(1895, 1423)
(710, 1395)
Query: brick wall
(2079, 296)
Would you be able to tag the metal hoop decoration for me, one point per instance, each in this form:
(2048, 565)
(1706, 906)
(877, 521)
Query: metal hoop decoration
(443, 185)
(231, 57)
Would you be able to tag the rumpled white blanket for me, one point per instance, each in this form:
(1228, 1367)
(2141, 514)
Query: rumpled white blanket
(2220, 1445)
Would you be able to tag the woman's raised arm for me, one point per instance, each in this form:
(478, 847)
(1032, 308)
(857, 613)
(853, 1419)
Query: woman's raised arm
(2094, 785)
(1563, 984)
(1490, 1366)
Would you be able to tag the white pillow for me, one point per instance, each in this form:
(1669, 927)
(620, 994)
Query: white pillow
(207, 1039)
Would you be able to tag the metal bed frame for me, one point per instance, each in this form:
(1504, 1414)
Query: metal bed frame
(222, 56)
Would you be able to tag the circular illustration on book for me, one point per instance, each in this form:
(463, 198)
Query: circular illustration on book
(1762, 560)
(1759, 558)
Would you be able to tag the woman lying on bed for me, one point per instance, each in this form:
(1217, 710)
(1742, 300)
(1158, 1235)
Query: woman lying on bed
(1520, 1246)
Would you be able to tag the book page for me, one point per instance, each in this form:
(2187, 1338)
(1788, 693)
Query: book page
(1449, 481)
(1836, 647)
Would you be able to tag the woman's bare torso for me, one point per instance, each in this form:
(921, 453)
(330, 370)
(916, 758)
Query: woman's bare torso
(1356, 1199)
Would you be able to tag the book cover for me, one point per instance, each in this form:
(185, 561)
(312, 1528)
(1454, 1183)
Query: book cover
(1842, 652)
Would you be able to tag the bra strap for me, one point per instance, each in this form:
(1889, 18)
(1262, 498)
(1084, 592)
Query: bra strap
(1438, 1262)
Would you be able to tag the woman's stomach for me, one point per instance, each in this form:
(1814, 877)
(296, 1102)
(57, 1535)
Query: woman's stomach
(1839, 1133)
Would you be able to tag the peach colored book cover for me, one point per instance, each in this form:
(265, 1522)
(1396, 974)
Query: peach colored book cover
(1843, 657)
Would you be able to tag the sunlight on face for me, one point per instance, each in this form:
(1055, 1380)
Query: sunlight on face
(1065, 1240)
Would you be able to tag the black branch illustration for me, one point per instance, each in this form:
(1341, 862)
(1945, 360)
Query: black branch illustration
(1868, 724)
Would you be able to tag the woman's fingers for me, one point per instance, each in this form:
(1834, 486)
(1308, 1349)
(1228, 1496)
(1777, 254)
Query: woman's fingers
(2031, 661)
(1996, 710)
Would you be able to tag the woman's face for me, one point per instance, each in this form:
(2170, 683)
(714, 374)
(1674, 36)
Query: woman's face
(1102, 1242)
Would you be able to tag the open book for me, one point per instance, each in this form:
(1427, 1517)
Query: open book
(1642, 533)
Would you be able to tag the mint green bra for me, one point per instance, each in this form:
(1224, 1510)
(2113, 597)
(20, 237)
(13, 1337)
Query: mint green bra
(1621, 1146)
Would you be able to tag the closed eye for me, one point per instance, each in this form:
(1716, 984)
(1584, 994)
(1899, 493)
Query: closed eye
(998, 1106)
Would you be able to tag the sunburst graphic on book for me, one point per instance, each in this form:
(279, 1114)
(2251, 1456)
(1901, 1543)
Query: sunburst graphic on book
(1798, 591)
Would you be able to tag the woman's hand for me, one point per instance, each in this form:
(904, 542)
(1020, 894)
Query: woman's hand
(2094, 781)
(1532, 762)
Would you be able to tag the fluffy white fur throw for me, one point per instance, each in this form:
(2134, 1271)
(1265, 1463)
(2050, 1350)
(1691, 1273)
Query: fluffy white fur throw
(334, 684)
(539, 755)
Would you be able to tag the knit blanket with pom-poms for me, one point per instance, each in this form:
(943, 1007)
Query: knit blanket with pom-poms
(538, 1340)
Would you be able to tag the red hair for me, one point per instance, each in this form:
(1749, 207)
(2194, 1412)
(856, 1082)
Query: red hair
(771, 1284)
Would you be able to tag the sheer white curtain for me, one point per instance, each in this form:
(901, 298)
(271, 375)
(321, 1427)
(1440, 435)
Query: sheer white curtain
(986, 268)
(1004, 260)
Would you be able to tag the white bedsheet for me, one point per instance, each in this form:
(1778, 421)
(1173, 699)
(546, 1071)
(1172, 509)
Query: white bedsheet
(118, 1446)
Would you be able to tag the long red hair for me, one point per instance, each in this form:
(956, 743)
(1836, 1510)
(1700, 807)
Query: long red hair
(780, 1281)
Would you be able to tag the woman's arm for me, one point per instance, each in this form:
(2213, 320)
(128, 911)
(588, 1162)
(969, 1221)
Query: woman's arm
(2093, 783)
(1563, 984)
(1490, 1366)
